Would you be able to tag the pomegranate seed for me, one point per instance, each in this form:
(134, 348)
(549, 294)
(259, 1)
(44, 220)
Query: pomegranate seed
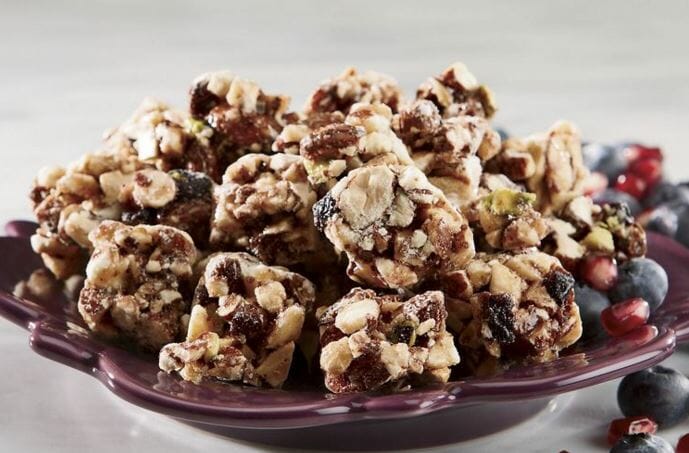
(683, 444)
(595, 183)
(636, 152)
(623, 317)
(649, 170)
(599, 271)
(631, 184)
(630, 425)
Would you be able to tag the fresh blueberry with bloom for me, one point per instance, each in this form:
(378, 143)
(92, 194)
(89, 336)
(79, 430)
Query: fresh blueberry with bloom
(640, 277)
(659, 393)
(591, 304)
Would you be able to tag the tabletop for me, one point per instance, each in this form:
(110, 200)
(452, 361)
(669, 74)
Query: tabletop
(71, 69)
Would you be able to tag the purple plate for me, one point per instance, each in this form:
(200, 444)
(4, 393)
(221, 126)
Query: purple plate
(314, 418)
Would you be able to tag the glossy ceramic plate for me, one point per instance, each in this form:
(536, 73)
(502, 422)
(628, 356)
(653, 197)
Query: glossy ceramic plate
(457, 410)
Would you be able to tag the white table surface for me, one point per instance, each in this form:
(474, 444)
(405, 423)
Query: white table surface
(69, 70)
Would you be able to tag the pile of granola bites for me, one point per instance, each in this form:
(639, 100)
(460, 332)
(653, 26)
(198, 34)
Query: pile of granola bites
(384, 238)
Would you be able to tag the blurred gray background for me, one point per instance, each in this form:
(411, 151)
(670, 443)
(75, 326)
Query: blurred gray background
(70, 70)
(619, 69)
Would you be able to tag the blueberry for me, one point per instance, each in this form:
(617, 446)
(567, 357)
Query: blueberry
(682, 234)
(608, 160)
(615, 196)
(664, 192)
(502, 132)
(660, 393)
(591, 303)
(641, 443)
(593, 153)
(664, 219)
(640, 277)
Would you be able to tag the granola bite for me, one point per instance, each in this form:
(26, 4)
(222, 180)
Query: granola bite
(370, 341)
(70, 202)
(449, 151)
(508, 220)
(555, 171)
(179, 198)
(587, 229)
(340, 93)
(244, 119)
(512, 308)
(244, 323)
(264, 206)
(365, 138)
(456, 92)
(167, 139)
(138, 282)
(396, 228)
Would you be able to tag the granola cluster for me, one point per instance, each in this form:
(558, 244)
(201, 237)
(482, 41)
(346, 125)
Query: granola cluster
(411, 235)
(245, 321)
(364, 138)
(396, 228)
(512, 307)
(371, 340)
(138, 283)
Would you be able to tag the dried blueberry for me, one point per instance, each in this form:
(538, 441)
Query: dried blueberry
(323, 210)
(659, 393)
(641, 443)
(640, 277)
(499, 314)
(558, 283)
(191, 185)
(666, 191)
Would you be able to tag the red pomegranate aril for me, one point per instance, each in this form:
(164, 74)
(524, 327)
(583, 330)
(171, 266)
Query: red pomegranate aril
(599, 271)
(631, 184)
(623, 317)
(683, 444)
(636, 152)
(630, 425)
(595, 183)
(649, 170)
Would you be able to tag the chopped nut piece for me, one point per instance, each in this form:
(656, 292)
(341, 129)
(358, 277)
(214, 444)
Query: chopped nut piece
(395, 227)
(457, 92)
(370, 341)
(340, 93)
(123, 297)
(256, 312)
(264, 206)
